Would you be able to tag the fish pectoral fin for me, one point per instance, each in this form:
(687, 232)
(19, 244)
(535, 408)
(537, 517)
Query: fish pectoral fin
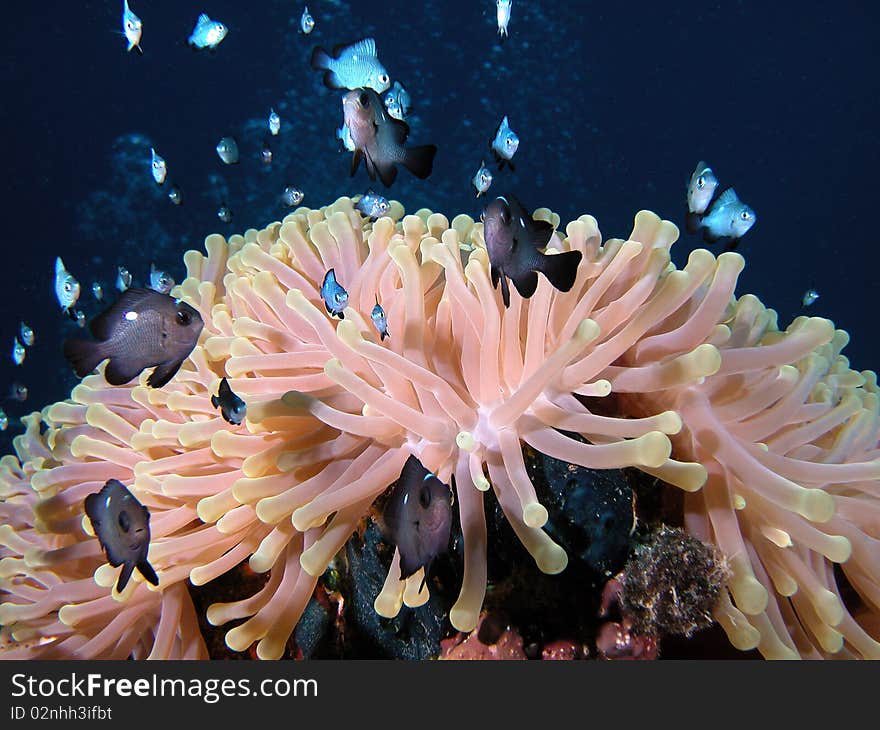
(122, 581)
(385, 169)
(120, 370)
(505, 291)
(146, 570)
(356, 161)
(163, 373)
(692, 222)
(539, 232)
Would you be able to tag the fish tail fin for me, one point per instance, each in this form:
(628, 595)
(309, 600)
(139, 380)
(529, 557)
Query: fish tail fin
(83, 355)
(319, 59)
(561, 269)
(148, 572)
(692, 222)
(384, 334)
(420, 160)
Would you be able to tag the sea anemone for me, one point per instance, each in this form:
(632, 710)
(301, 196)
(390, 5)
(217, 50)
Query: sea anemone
(775, 438)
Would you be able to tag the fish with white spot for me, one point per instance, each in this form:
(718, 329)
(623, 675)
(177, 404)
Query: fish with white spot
(274, 123)
(334, 295)
(379, 320)
(123, 278)
(97, 291)
(160, 280)
(373, 205)
(810, 296)
(292, 196)
(227, 150)
(502, 15)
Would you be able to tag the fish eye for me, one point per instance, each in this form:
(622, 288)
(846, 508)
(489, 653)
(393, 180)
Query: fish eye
(183, 317)
(383, 78)
(425, 496)
(68, 286)
(363, 99)
(745, 215)
(701, 182)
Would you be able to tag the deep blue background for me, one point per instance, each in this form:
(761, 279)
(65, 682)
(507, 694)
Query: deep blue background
(614, 104)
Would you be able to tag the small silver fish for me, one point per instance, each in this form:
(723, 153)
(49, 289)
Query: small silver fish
(502, 12)
(701, 188)
(274, 122)
(352, 66)
(227, 150)
(158, 167)
(306, 22)
(4, 420)
(123, 278)
(18, 392)
(334, 295)
(810, 296)
(207, 33)
(378, 317)
(131, 28)
(175, 195)
(66, 286)
(18, 352)
(373, 205)
(232, 408)
(266, 154)
(343, 134)
(27, 334)
(728, 219)
(292, 196)
(80, 318)
(397, 101)
(224, 213)
(504, 144)
(160, 281)
(97, 291)
(482, 179)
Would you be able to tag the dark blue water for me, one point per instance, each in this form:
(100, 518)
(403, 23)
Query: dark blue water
(614, 104)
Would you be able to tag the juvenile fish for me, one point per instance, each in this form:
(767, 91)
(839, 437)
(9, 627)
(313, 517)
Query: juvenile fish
(274, 123)
(334, 296)
(66, 287)
(224, 213)
(379, 139)
(97, 291)
(158, 167)
(482, 179)
(504, 145)
(378, 317)
(418, 517)
(306, 21)
(4, 420)
(160, 281)
(175, 195)
(502, 13)
(227, 150)
(372, 205)
(701, 188)
(18, 392)
(232, 408)
(207, 33)
(27, 334)
(352, 66)
(123, 278)
(18, 352)
(122, 526)
(513, 238)
(397, 101)
(810, 296)
(142, 329)
(132, 28)
(727, 220)
(292, 196)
